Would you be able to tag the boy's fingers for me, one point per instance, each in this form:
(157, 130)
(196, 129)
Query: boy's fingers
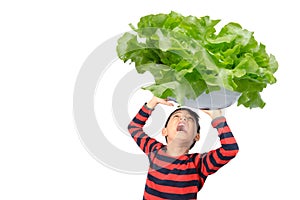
(168, 103)
(214, 113)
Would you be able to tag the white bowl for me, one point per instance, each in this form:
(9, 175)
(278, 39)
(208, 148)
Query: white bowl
(220, 99)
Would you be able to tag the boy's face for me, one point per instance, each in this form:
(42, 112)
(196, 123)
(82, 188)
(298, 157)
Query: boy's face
(182, 127)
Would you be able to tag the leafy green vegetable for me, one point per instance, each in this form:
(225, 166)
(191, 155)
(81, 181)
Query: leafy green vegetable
(187, 57)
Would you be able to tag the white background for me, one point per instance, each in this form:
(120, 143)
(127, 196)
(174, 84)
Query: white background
(43, 45)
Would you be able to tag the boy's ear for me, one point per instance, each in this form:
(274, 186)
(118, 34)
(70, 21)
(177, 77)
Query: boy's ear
(164, 132)
(197, 137)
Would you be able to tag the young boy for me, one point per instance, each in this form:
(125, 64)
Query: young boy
(173, 172)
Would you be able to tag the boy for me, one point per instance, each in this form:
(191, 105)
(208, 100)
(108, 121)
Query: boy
(173, 173)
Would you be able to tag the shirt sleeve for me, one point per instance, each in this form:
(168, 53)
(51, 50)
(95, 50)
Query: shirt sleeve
(135, 128)
(215, 159)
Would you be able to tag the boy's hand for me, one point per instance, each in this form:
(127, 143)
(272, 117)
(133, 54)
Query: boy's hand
(214, 113)
(155, 100)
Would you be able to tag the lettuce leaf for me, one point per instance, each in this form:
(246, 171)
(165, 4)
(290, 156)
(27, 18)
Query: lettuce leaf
(187, 57)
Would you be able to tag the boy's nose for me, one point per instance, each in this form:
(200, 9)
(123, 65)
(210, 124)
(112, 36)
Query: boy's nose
(183, 118)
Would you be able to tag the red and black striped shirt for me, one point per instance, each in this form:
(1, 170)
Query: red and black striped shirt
(180, 177)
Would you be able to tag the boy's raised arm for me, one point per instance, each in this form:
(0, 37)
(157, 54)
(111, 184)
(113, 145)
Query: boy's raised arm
(135, 127)
(215, 159)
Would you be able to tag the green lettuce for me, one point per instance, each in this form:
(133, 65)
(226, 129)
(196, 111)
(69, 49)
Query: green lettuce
(187, 57)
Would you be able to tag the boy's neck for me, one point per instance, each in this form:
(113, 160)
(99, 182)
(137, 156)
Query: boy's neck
(174, 149)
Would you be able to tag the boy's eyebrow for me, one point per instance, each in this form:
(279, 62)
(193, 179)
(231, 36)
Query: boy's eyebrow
(179, 111)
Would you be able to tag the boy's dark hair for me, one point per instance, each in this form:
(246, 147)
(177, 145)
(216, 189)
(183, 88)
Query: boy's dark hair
(194, 114)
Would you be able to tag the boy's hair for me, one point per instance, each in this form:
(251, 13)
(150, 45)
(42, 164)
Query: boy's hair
(194, 114)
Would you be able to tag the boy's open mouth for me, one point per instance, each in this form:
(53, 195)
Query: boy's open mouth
(181, 127)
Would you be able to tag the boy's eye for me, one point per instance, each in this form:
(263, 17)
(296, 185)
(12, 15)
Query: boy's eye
(190, 119)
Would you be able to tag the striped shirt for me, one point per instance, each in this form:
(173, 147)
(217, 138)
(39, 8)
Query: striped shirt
(179, 177)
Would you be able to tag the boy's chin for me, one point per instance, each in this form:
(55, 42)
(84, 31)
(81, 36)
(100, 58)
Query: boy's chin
(182, 132)
(182, 135)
